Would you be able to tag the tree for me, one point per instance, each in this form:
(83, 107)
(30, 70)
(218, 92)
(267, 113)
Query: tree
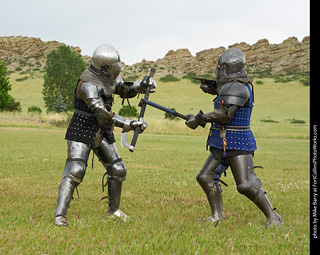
(59, 105)
(7, 102)
(62, 72)
(5, 87)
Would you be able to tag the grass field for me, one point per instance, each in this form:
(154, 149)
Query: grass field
(161, 194)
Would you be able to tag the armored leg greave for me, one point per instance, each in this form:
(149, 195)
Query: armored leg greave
(250, 185)
(215, 201)
(72, 176)
(116, 169)
(114, 192)
(66, 190)
(213, 191)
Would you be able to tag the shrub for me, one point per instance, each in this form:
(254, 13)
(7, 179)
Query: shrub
(22, 79)
(169, 78)
(294, 121)
(13, 106)
(132, 78)
(34, 109)
(305, 81)
(169, 116)
(189, 75)
(127, 111)
(269, 121)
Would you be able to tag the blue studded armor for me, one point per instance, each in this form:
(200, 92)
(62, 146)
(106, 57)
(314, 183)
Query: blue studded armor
(231, 140)
(238, 134)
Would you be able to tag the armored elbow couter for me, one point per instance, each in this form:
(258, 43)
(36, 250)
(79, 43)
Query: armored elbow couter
(97, 107)
(103, 116)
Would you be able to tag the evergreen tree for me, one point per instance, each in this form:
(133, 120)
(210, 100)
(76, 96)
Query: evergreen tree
(62, 72)
(59, 105)
(7, 102)
(5, 87)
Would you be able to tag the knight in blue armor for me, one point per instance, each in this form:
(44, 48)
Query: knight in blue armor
(231, 140)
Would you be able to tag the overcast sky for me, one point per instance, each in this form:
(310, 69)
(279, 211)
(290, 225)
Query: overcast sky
(149, 29)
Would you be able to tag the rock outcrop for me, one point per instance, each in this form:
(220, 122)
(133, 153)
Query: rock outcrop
(24, 52)
(288, 55)
(27, 52)
(28, 47)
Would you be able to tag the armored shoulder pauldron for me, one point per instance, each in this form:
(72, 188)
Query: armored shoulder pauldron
(234, 93)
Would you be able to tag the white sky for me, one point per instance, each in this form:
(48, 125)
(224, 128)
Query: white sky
(149, 29)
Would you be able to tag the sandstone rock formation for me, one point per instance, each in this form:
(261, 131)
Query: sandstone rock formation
(22, 51)
(29, 52)
(288, 55)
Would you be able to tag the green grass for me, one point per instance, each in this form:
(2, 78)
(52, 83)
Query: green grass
(28, 92)
(160, 194)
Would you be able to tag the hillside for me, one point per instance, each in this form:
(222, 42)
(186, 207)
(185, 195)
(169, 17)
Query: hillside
(267, 120)
(28, 53)
(288, 55)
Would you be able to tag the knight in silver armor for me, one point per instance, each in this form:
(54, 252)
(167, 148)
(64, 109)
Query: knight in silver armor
(91, 129)
(231, 138)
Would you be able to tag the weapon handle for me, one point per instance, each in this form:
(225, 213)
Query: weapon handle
(143, 109)
(152, 71)
(205, 81)
(162, 108)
